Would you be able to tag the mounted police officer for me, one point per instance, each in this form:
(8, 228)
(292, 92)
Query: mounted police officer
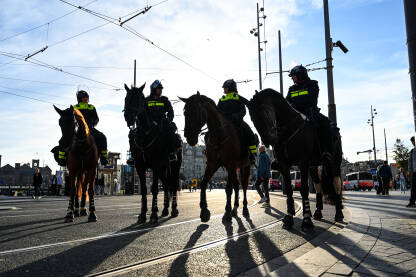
(160, 110)
(91, 118)
(303, 96)
(233, 109)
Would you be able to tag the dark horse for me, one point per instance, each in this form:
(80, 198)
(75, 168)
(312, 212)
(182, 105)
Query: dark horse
(82, 161)
(223, 148)
(295, 142)
(153, 154)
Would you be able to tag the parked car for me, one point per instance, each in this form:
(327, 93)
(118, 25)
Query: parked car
(359, 180)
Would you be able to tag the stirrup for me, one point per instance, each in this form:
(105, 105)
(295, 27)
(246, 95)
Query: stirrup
(172, 157)
(103, 160)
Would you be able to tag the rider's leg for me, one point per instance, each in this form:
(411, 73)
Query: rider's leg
(252, 140)
(101, 142)
(325, 136)
(133, 147)
(59, 152)
(171, 138)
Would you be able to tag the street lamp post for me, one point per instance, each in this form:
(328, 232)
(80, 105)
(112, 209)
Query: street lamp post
(370, 121)
(256, 33)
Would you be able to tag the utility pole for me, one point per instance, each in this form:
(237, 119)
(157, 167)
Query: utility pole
(258, 46)
(134, 82)
(410, 14)
(280, 65)
(332, 111)
(371, 122)
(131, 156)
(385, 145)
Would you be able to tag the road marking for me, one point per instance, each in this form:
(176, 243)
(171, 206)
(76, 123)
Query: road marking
(109, 235)
(135, 266)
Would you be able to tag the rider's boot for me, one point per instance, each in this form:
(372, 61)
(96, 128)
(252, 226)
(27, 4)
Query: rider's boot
(252, 153)
(60, 155)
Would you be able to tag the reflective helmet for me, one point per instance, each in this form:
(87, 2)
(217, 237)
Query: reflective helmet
(231, 85)
(300, 71)
(81, 94)
(156, 84)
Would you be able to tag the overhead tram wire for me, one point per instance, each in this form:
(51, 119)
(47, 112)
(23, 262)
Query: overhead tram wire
(43, 64)
(39, 26)
(31, 98)
(134, 32)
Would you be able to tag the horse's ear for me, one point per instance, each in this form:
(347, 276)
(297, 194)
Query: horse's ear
(71, 108)
(197, 93)
(142, 87)
(126, 87)
(256, 91)
(183, 99)
(59, 111)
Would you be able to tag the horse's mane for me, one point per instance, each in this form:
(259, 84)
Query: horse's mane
(81, 117)
(268, 92)
(203, 98)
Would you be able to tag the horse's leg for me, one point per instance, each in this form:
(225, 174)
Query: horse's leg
(83, 211)
(173, 179)
(236, 186)
(143, 190)
(339, 215)
(70, 212)
(205, 214)
(90, 183)
(318, 188)
(155, 190)
(288, 219)
(78, 194)
(304, 191)
(232, 176)
(166, 191)
(244, 181)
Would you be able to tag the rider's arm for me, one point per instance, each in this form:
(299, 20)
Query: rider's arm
(94, 117)
(169, 110)
(241, 110)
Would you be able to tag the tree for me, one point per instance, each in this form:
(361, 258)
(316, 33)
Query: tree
(401, 154)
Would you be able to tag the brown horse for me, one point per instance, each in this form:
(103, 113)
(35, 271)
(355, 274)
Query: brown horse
(82, 162)
(223, 148)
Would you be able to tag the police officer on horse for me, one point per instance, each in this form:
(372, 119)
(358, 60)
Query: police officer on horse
(303, 96)
(91, 118)
(232, 108)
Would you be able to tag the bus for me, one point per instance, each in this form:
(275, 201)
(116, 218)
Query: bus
(359, 180)
(295, 179)
(275, 180)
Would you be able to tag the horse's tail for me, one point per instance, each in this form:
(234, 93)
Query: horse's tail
(79, 188)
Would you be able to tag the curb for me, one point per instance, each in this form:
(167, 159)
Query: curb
(283, 265)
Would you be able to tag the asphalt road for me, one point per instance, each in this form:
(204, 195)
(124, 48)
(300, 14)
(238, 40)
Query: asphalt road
(34, 240)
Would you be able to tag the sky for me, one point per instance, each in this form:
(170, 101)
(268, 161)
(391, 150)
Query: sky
(199, 45)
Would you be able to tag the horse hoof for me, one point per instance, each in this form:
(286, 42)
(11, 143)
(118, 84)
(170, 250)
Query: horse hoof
(76, 213)
(205, 215)
(83, 213)
(142, 218)
(287, 222)
(165, 212)
(69, 218)
(317, 215)
(307, 223)
(339, 216)
(153, 219)
(92, 217)
(174, 213)
(245, 212)
(227, 217)
(234, 212)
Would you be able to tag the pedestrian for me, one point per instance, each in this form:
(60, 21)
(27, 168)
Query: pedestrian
(402, 181)
(263, 175)
(101, 184)
(37, 182)
(66, 179)
(385, 174)
(59, 182)
(53, 185)
(412, 175)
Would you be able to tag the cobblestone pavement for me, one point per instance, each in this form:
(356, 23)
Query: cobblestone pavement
(379, 240)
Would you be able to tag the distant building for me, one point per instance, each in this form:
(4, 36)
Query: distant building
(22, 175)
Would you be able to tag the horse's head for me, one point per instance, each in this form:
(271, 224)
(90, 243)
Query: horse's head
(66, 122)
(195, 117)
(133, 104)
(263, 115)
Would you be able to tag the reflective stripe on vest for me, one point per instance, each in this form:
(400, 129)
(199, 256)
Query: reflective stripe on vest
(230, 96)
(84, 106)
(298, 93)
(155, 103)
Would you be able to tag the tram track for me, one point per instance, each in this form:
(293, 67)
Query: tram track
(104, 236)
(204, 246)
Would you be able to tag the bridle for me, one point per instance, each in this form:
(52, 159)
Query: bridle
(202, 119)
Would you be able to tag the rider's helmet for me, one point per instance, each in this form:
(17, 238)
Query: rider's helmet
(155, 85)
(231, 85)
(81, 94)
(300, 71)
